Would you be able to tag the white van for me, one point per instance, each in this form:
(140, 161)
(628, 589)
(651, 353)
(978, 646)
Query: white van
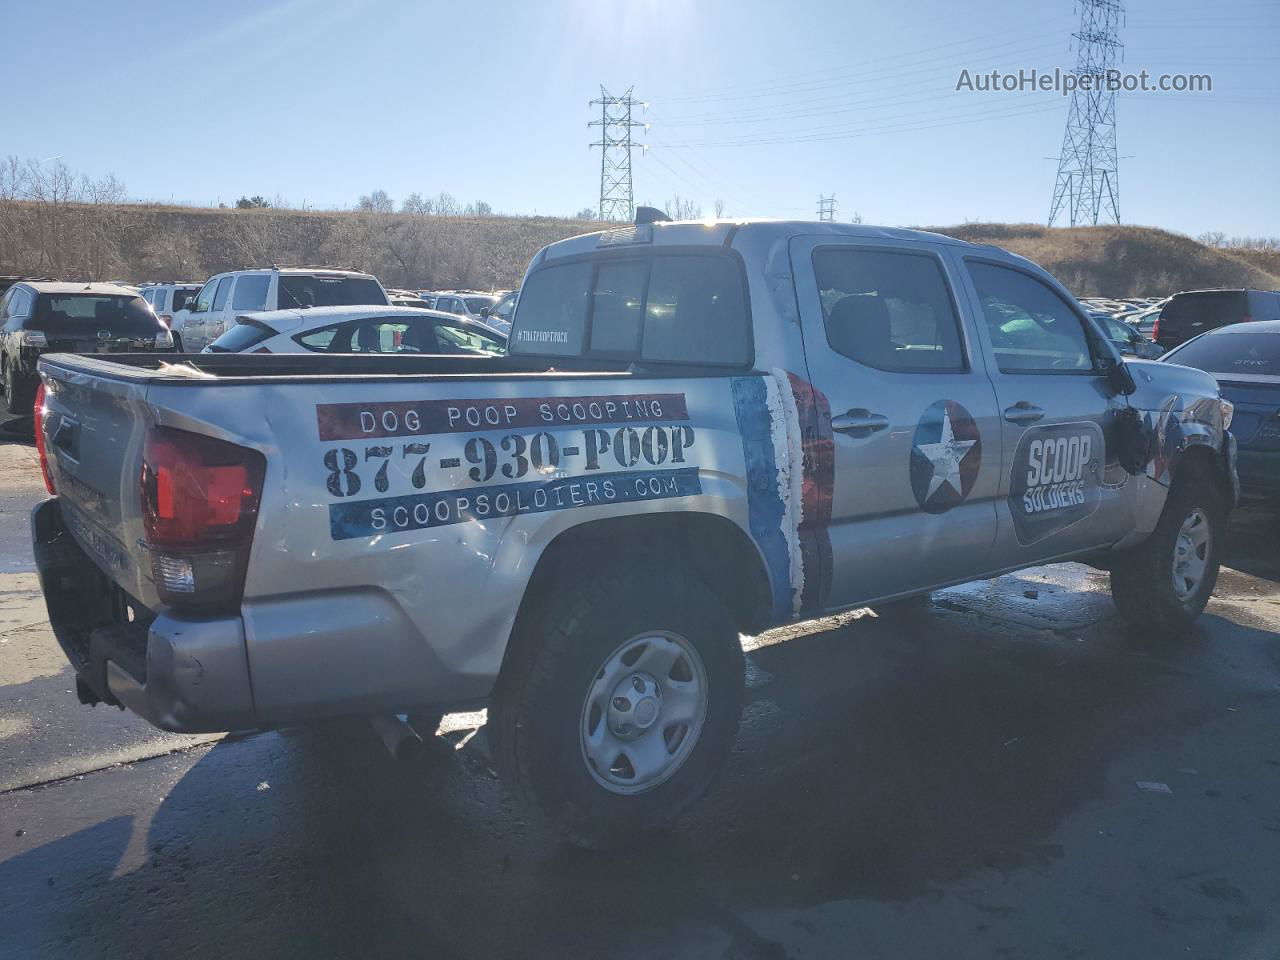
(228, 295)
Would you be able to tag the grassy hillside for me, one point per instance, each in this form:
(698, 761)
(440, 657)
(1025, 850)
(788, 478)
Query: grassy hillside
(130, 242)
(1123, 261)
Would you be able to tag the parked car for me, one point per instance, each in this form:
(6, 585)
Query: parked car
(499, 315)
(228, 295)
(1194, 312)
(700, 431)
(167, 299)
(1127, 339)
(1246, 362)
(467, 305)
(41, 316)
(358, 330)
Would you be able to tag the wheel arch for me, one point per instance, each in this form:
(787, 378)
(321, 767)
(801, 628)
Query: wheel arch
(716, 549)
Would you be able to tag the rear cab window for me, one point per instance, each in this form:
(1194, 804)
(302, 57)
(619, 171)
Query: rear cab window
(677, 307)
(318, 290)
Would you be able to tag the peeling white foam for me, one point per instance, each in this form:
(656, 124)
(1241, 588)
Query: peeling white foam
(788, 453)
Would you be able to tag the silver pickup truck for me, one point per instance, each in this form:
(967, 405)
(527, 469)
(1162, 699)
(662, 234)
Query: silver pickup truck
(702, 430)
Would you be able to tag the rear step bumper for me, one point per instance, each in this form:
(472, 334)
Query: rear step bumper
(189, 676)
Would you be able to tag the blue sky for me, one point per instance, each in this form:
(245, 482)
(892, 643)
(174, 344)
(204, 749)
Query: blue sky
(319, 101)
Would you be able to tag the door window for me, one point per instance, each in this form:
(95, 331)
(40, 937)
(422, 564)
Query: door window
(1032, 328)
(224, 289)
(251, 292)
(889, 310)
(204, 299)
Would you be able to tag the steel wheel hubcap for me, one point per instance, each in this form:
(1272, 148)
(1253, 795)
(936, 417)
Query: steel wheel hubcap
(1191, 554)
(643, 712)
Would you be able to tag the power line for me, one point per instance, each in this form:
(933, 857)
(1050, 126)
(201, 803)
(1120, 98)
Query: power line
(1088, 182)
(617, 195)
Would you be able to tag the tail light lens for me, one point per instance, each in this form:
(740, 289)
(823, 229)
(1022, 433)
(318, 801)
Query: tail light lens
(200, 500)
(38, 417)
(166, 319)
(1155, 331)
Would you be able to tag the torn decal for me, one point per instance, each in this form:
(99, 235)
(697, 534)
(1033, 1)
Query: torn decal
(785, 426)
(1056, 479)
(818, 469)
(946, 454)
(758, 424)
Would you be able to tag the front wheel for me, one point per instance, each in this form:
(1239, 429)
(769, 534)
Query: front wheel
(1164, 583)
(620, 703)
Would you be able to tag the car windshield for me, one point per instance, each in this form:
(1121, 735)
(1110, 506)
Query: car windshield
(476, 304)
(309, 290)
(1232, 354)
(91, 314)
(181, 297)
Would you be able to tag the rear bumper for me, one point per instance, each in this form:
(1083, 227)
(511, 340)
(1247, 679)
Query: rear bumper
(181, 675)
(285, 660)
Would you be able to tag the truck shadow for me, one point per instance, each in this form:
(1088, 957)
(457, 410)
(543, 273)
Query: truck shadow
(876, 760)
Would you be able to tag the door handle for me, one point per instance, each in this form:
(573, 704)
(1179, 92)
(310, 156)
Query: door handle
(859, 422)
(1023, 412)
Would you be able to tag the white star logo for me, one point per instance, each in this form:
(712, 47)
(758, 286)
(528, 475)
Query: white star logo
(945, 455)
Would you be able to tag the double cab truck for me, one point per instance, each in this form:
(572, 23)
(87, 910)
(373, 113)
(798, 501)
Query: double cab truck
(700, 431)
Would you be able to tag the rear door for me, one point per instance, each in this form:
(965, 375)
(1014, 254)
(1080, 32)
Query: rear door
(916, 437)
(219, 315)
(1062, 489)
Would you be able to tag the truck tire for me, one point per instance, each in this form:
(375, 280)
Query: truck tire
(18, 392)
(619, 702)
(1163, 584)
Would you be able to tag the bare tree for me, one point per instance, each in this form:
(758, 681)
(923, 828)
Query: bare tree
(376, 202)
(1213, 238)
(678, 208)
(719, 208)
(446, 205)
(415, 203)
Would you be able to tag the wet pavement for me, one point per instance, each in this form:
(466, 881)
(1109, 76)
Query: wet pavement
(1003, 772)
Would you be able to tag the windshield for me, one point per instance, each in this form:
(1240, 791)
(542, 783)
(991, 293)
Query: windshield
(504, 307)
(476, 304)
(1232, 353)
(84, 314)
(299, 290)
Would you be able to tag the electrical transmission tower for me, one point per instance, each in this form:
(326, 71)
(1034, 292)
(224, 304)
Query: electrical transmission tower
(617, 198)
(1088, 183)
(827, 208)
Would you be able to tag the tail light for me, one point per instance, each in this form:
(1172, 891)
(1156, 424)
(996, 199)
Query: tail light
(1155, 331)
(166, 319)
(38, 417)
(200, 501)
(1246, 319)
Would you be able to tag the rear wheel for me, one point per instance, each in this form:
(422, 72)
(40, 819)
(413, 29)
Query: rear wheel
(1164, 584)
(18, 392)
(177, 342)
(620, 704)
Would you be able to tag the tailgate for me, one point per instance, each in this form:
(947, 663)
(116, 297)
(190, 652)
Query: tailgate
(95, 424)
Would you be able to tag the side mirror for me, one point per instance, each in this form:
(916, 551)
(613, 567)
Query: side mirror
(1119, 377)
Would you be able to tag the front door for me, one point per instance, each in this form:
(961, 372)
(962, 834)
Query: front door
(915, 430)
(1062, 489)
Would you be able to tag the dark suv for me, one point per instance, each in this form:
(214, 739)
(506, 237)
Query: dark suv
(1189, 314)
(39, 317)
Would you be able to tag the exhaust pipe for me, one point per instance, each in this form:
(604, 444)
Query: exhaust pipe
(400, 739)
